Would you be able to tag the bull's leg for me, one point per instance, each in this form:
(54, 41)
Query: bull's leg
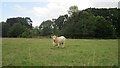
(58, 45)
(62, 45)
(54, 44)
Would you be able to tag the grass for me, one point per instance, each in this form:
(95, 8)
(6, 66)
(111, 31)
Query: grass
(77, 52)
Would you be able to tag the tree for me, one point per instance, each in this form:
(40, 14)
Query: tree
(80, 25)
(27, 22)
(111, 15)
(104, 28)
(26, 33)
(89, 23)
(59, 23)
(73, 9)
(16, 30)
(46, 28)
(13, 27)
(5, 29)
(35, 32)
(118, 23)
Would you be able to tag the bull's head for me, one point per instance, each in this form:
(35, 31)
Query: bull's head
(54, 37)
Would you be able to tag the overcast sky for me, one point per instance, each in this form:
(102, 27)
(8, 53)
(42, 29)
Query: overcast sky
(41, 10)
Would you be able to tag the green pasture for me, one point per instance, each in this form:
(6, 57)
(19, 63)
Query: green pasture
(77, 52)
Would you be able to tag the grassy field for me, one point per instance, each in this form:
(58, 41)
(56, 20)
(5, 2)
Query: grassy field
(77, 52)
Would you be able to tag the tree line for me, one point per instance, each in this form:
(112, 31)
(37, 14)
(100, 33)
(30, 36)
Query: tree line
(88, 23)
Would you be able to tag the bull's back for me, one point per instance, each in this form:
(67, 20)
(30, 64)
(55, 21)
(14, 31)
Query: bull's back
(61, 39)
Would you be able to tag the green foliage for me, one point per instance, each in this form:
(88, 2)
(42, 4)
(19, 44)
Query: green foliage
(88, 23)
(16, 30)
(15, 27)
(59, 24)
(80, 25)
(35, 32)
(46, 28)
(5, 29)
(73, 9)
(24, 21)
(26, 33)
(104, 29)
(111, 15)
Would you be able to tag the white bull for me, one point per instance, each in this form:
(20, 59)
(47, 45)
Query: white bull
(58, 41)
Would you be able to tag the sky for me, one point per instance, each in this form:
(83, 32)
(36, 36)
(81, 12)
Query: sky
(42, 10)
